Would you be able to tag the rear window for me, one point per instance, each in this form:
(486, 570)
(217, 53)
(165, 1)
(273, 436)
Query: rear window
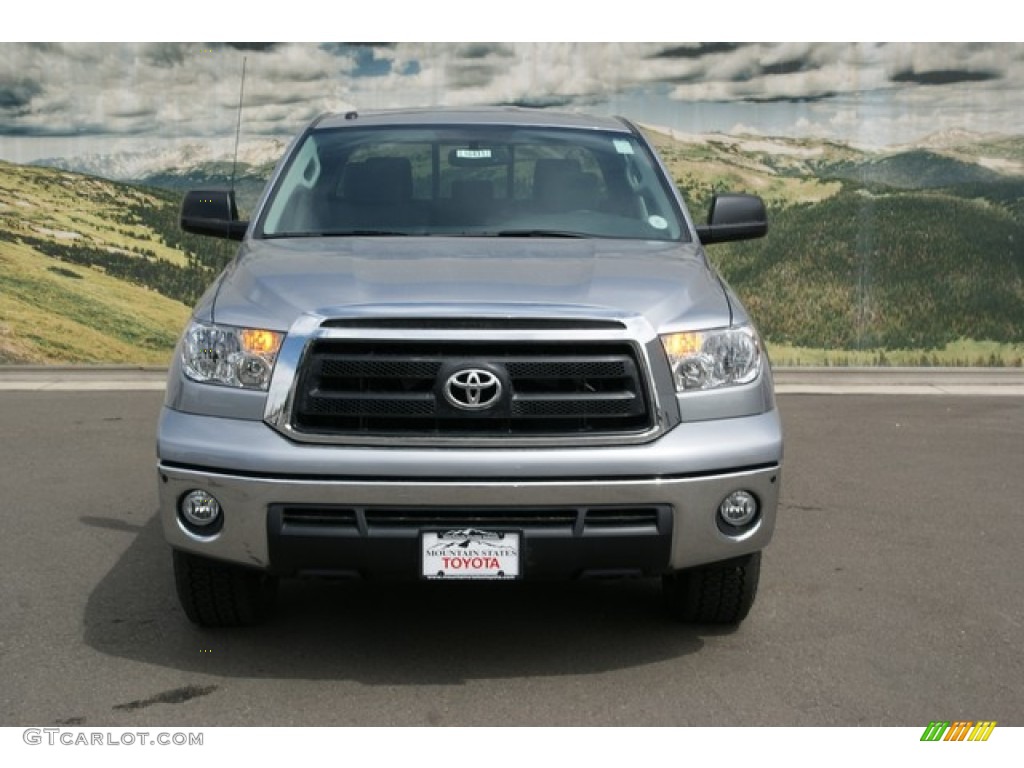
(476, 181)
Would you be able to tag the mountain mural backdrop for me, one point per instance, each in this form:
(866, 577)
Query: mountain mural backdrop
(912, 255)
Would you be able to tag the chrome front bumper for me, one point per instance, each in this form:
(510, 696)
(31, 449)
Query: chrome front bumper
(249, 467)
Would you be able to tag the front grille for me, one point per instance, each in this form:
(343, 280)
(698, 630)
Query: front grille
(426, 519)
(397, 388)
(611, 518)
(320, 517)
(302, 518)
(557, 542)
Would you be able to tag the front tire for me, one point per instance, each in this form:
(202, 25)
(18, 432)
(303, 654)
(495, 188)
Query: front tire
(216, 594)
(717, 593)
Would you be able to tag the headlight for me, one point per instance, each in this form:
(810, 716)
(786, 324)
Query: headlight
(712, 359)
(232, 357)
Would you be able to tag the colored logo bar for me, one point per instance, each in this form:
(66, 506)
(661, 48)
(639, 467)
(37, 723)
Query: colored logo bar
(959, 730)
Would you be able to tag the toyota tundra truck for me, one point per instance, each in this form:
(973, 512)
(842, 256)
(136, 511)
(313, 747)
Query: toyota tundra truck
(469, 344)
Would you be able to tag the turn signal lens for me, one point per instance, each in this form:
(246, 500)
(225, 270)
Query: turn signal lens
(679, 345)
(259, 342)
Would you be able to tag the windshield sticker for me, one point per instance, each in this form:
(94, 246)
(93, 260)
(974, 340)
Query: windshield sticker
(622, 146)
(657, 222)
(473, 154)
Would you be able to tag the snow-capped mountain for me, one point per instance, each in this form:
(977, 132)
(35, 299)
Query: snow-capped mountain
(136, 165)
(950, 138)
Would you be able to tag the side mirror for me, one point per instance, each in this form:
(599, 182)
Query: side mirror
(212, 212)
(734, 217)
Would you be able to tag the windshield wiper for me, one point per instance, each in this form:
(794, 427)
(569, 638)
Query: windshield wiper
(339, 233)
(538, 233)
(362, 233)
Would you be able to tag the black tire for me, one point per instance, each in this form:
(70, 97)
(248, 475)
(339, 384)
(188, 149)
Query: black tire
(216, 594)
(717, 593)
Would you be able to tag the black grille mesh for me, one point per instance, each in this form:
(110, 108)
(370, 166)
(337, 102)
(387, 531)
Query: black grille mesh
(299, 517)
(395, 388)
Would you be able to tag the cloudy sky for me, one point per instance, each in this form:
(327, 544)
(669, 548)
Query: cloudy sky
(76, 98)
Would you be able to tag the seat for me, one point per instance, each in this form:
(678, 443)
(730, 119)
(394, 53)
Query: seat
(559, 185)
(472, 201)
(377, 192)
(470, 191)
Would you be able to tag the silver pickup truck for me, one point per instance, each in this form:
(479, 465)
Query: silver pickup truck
(469, 344)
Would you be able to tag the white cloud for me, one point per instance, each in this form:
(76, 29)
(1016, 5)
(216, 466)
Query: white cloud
(880, 92)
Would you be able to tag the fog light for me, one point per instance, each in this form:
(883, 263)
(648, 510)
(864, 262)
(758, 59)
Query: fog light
(200, 509)
(738, 509)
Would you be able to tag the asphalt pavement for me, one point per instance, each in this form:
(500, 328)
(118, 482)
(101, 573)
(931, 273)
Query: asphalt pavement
(889, 596)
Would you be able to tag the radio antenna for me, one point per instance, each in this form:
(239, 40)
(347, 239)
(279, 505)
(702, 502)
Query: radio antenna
(238, 125)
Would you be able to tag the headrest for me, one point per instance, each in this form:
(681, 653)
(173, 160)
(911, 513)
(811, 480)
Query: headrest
(472, 190)
(378, 180)
(560, 185)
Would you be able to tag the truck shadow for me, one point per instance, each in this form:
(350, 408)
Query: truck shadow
(385, 633)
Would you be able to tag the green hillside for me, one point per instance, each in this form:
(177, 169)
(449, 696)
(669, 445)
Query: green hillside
(908, 256)
(93, 271)
(701, 168)
(916, 169)
(918, 250)
(891, 271)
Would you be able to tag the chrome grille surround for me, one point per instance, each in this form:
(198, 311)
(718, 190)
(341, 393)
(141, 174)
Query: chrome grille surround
(623, 348)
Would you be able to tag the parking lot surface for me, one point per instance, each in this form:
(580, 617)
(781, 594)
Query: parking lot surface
(890, 596)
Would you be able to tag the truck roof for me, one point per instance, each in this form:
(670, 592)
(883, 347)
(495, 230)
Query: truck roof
(472, 116)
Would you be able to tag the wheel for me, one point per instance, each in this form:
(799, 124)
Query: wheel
(215, 594)
(717, 593)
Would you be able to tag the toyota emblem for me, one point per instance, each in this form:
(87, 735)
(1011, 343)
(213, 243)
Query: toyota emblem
(472, 389)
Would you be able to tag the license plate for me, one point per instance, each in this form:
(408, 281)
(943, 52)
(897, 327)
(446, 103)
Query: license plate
(470, 554)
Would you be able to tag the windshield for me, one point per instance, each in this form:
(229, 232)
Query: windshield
(472, 180)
